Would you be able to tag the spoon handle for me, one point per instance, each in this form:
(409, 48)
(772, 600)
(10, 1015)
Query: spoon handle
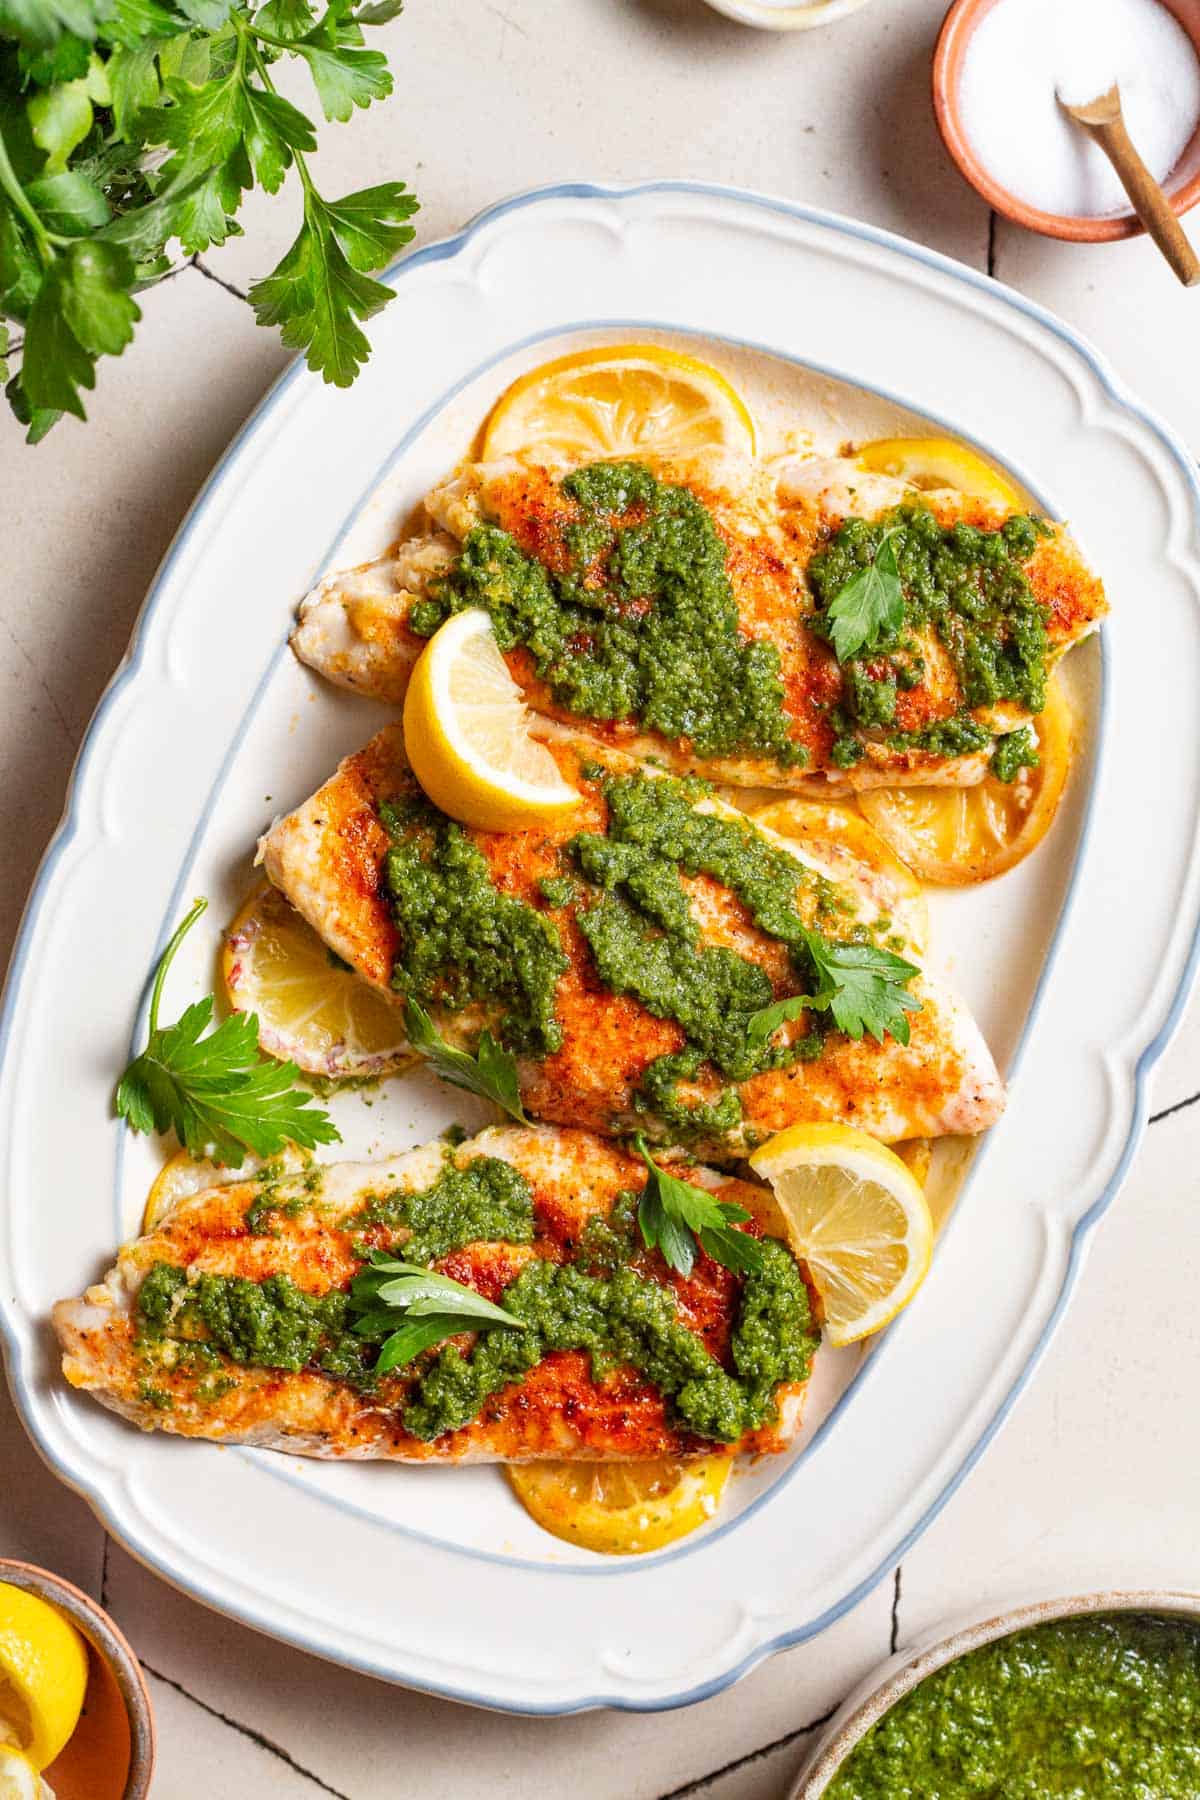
(1147, 198)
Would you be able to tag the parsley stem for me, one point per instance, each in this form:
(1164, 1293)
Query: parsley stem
(246, 41)
(21, 204)
(168, 956)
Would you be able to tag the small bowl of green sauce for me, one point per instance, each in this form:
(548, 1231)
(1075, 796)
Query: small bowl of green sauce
(1098, 1694)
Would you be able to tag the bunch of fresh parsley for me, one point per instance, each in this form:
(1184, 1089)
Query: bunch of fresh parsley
(130, 131)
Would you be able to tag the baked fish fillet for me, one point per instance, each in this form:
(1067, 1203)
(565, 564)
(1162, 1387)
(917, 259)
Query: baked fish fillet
(612, 1057)
(194, 1331)
(356, 627)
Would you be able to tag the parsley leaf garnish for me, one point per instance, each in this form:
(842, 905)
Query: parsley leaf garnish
(870, 608)
(218, 1093)
(491, 1072)
(673, 1215)
(863, 987)
(411, 1308)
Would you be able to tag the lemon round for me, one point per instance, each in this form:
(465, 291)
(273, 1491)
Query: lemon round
(939, 462)
(19, 1779)
(842, 840)
(621, 400)
(856, 1216)
(311, 1008)
(621, 1508)
(958, 836)
(43, 1674)
(466, 734)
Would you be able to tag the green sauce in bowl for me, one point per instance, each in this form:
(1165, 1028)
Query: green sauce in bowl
(1105, 1706)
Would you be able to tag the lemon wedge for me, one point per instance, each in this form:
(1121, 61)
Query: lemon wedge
(939, 462)
(958, 836)
(311, 1008)
(466, 733)
(622, 400)
(43, 1674)
(19, 1779)
(856, 1216)
(841, 839)
(621, 1508)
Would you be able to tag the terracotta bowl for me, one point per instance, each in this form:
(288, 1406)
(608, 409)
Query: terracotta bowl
(1182, 186)
(879, 1692)
(111, 1752)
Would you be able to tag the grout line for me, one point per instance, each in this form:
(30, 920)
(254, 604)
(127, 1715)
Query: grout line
(743, 1762)
(895, 1634)
(247, 1731)
(991, 266)
(1168, 1110)
(209, 275)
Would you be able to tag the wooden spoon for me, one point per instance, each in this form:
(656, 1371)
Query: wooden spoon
(1103, 120)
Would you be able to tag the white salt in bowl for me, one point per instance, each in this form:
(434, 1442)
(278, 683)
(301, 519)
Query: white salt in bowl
(1182, 186)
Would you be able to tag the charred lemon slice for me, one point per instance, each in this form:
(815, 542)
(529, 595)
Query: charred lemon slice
(312, 1009)
(853, 851)
(621, 1508)
(621, 400)
(958, 836)
(938, 462)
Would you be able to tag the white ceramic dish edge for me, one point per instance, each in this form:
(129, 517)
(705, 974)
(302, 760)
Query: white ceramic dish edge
(17, 1342)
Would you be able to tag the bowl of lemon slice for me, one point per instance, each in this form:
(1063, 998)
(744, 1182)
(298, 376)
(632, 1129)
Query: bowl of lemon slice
(75, 1717)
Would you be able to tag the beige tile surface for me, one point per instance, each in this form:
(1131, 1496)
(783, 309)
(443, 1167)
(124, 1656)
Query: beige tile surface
(1096, 1475)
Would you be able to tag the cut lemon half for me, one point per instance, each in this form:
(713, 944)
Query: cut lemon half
(43, 1674)
(19, 1779)
(841, 839)
(621, 1508)
(312, 1009)
(466, 732)
(939, 462)
(622, 400)
(958, 836)
(183, 1175)
(856, 1216)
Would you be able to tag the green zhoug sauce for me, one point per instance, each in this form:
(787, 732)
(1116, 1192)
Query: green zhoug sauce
(1104, 1707)
(462, 941)
(637, 620)
(597, 1303)
(644, 941)
(966, 584)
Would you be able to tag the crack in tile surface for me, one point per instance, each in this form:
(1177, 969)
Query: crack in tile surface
(752, 1756)
(1167, 1111)
(247, 1731)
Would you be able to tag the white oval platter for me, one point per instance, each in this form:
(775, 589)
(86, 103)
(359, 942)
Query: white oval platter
(1077, 964)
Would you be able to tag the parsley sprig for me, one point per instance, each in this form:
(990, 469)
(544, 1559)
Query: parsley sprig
(411, 1308)
(491, 1072)
(130, 132)
(870, 608)
(863, 987)
(218, 1093)
(673, 1216)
